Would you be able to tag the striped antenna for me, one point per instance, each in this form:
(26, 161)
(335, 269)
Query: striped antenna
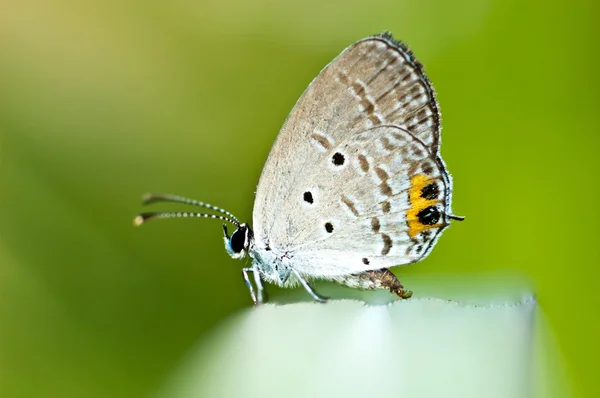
(143, 217)
(159, 197)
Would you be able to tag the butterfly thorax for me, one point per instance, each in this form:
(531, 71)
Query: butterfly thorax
(272, 263)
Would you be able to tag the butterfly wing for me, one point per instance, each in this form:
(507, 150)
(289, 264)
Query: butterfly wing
(362, 138)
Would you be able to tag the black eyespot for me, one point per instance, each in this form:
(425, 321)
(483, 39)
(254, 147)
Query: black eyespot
(308, 197)
(429, 215)
(329, 227)
(365, 261)
(338, 159)
(430, 192)
(238, 240)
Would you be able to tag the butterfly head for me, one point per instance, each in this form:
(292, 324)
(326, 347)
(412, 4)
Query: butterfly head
(238, 243)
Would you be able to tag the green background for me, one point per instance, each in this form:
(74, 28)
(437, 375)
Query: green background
(101, 102)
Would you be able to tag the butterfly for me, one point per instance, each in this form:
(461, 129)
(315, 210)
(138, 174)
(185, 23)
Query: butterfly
(354, 183)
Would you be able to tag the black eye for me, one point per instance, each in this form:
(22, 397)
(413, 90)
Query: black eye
(429, 215)
(238, 240)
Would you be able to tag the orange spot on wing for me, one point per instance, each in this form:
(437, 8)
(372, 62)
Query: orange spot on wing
(417, 203)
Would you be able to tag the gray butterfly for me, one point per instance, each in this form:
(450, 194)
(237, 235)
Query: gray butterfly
(354, 183)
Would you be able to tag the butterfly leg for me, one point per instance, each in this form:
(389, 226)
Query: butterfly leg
(308, 288)
(259, 286)
(248, 284)
(376, 279)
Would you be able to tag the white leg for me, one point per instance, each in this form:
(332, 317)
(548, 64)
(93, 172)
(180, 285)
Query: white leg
(308, 288)
(247, 280)
(259, 286)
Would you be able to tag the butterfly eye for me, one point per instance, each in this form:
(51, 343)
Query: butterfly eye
(237, 241)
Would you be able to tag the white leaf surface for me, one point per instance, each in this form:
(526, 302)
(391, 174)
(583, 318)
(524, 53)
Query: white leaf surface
(416, 348)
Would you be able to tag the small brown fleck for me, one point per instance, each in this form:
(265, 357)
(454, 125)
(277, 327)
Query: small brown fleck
(422, 117)
(399, 137)
(350, 205)
(407, 76)
(387, 144)
(374, 119)
(365, 261)
(368, 105)
(387, 244)
(427, 167)
(385, 189)
(375, 226)
(363, 163)
(404, 100)
(382, 174)
(321, 140)
(404, 151)
(358, 88)
(418, 152)
(386, 207)
(414, 90)
(413, 168)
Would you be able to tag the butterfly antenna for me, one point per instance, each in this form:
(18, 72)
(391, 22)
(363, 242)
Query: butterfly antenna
(159, 197)
(144, 217)
(457, 218)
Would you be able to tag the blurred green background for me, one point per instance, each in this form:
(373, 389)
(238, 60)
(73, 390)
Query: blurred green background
(101, 102)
